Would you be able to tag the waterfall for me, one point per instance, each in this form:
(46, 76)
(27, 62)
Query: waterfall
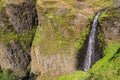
(91, 44)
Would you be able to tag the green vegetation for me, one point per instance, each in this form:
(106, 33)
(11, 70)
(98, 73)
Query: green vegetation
(7, 75)
(2, 3)
(6, 37)
(109, 12)
(55, 31)
(82, 37)
(99, 3)
(108, 68)
(7, 32)
(37, 37)
(56, 34)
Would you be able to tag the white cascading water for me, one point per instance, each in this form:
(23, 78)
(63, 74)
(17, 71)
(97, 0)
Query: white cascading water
(91, 44)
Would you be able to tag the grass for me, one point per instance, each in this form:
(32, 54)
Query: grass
(82, 37)
(37, 37)
(50, 35)
(6, 37)
(55, 31)
(2, 3)
(99, 3)
(7, 75)
(108, 68)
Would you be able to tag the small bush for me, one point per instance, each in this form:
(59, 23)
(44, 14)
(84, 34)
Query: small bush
(7, 75)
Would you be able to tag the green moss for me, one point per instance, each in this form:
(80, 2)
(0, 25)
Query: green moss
(2, 3)
(103, 15)
(99, 3)
(109, 12)
(80, 75)
(100, 37)
(6, 37)
(55, 32)
(7, 32)
(7, 75)
(105, 69)
(37, 37)
(83, 35)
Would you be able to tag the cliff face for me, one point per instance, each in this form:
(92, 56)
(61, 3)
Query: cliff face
(17, 27)
(61, 31)
(54, 44)
(45, 38)
(108, 66)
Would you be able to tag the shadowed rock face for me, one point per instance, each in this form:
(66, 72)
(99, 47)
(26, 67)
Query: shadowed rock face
(83, 51)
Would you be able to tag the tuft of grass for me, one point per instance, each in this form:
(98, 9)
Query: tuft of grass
(37, 37)
(7, 75)
(99, 3)
(82, 38)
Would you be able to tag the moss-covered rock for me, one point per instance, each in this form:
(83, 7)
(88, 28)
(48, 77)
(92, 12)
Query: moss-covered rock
(110, 22)
(61, 32)
(54, 46)
(17, 27)
(107, 68)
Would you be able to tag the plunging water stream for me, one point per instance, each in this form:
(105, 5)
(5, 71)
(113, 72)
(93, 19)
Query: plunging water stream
(91, 44)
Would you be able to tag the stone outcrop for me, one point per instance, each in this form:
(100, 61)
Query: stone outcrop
(17, 28)
(22, 16)
(53, 52)
(52, 65)
(110, 25)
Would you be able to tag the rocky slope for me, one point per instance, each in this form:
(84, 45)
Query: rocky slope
(46, 37)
